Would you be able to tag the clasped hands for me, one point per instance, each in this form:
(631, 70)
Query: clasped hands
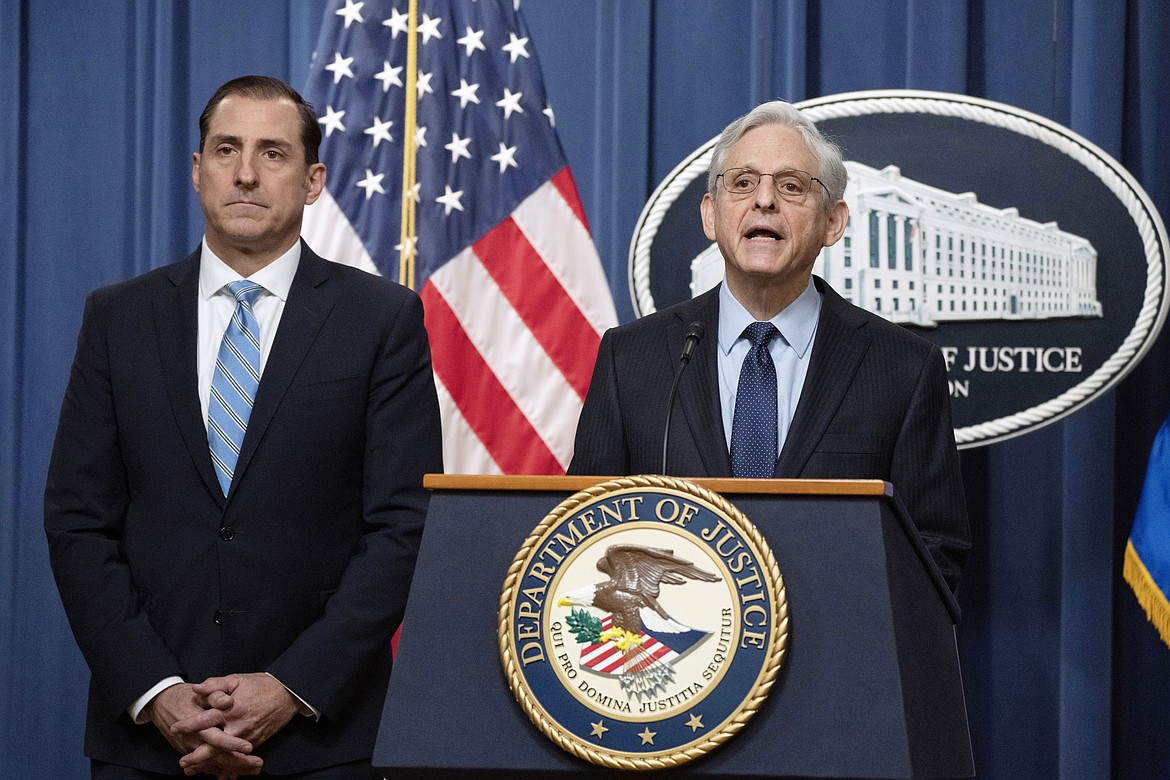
(216, 724)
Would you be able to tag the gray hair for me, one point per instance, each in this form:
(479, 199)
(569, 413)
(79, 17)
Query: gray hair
(831, 167)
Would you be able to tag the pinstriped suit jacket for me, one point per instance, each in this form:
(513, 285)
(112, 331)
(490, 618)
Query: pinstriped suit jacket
(874, 405)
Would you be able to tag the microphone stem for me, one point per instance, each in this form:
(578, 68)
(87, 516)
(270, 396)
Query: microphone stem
(669, 409)
(693, 335)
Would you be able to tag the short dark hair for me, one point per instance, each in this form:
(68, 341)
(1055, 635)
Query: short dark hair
(267, 88)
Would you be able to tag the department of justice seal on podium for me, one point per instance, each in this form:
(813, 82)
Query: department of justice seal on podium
(642, 623)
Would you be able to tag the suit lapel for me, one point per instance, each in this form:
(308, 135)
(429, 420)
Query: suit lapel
(698, 390)
(304, 313)
(176, 318)
(837, 352)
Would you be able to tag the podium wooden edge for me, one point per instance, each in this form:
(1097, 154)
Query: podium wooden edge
(831, 487)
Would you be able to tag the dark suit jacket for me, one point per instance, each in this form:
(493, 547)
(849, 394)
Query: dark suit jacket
(302, 571)
(874, 405)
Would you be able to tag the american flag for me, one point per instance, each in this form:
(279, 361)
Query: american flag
(512, 286)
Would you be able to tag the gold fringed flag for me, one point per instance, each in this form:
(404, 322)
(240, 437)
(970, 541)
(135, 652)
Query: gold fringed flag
(1147, 555)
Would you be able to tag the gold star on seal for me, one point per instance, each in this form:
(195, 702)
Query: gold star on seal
(648, 736)
(696, 722)
(598, 729)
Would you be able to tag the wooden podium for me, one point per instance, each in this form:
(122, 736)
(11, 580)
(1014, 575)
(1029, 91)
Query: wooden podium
(870, 686)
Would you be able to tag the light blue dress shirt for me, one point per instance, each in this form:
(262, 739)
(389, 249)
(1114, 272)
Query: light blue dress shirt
(791, 352)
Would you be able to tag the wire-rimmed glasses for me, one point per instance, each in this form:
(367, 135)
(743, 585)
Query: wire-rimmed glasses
(792, 185)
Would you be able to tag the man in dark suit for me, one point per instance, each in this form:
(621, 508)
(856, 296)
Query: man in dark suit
(235, 501)
(790, 380)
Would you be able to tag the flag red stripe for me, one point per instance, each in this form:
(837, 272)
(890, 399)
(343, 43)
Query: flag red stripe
(608, 661)
(486, 405)
(595, 649)
(565, 185)
(612, 664)
(544, 306)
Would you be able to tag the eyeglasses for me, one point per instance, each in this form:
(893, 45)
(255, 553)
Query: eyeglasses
(793, 185)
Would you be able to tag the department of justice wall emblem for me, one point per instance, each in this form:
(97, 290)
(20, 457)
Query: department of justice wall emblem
(642, 623)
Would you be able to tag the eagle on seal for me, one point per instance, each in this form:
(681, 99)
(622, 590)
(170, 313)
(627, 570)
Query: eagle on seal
(636, 575)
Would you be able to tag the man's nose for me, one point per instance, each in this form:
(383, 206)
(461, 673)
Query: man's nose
(245, 172)
(765, 194)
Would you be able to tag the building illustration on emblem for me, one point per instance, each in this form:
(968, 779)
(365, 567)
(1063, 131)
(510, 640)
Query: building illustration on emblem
(919, 255)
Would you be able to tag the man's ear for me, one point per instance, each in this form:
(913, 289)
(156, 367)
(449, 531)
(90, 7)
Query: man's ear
(707, 211)
(835, 225)
(316, 183)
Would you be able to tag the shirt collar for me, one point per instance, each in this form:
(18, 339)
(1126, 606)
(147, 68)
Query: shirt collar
(276, 277)
(797, 322)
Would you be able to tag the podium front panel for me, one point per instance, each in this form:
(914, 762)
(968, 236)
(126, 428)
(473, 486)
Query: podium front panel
(869, 686)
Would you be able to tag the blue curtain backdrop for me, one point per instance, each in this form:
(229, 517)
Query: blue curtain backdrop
(98, 104)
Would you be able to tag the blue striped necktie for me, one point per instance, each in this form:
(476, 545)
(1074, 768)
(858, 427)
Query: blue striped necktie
(234, 383)
(754, 426)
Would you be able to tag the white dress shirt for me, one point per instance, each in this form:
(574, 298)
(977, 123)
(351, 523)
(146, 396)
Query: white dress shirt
(217, 305)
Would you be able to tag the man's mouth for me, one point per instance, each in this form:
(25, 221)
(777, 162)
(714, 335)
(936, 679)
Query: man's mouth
(763, 234)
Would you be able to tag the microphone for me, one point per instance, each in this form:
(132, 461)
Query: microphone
(693, 336)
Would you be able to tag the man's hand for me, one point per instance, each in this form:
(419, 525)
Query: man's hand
(251, 707)
(222, 754)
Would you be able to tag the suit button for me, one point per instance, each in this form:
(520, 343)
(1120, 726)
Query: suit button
(218, 618)
(227, 534)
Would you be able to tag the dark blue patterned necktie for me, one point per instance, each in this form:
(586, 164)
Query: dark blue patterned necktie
(754, 426)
